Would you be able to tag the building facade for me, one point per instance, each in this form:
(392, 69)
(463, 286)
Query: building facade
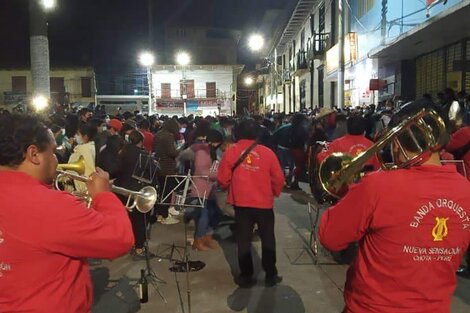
(195, 89)
(68, 86)
(392, 49)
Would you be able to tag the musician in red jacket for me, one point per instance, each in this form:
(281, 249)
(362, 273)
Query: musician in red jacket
(412, 226)
(252, 186)
(46, 235)
(353, 143)
(459, 145)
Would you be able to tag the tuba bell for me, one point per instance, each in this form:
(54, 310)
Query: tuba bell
(77, 167)
(339, 170)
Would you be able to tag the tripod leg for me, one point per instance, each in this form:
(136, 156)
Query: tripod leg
(154, 280)
(186, 256)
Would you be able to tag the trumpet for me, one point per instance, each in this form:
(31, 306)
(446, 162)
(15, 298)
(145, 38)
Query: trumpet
(142, 200)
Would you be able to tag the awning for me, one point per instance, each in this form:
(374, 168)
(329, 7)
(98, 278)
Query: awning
(443, 29)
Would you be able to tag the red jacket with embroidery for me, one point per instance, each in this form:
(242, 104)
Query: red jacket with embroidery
(459, 139)
(256, 181)
(351, 144)
(46, 237)
(412, 226)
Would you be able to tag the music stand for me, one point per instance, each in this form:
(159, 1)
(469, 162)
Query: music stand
(145, 171)
(184, 265)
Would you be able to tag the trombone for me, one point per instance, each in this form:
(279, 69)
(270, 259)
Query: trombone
(339, 170)
(142, 200)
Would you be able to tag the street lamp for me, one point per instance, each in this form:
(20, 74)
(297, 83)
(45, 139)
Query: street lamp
(249, 81)
(256, 42)
(183, 58)
(147, 59)
(40, 103)
(48, 4)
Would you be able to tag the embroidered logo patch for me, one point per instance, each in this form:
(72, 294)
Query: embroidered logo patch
(439, 232)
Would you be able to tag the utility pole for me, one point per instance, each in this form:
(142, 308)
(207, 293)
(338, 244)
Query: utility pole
(150, 21)
(39, 49)
(150, 48)
(341, 54)
(383, 22)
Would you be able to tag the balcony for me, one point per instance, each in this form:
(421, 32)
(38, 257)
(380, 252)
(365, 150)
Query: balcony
(300, 63)
(192, 94)
(317, 45)
(287, 75)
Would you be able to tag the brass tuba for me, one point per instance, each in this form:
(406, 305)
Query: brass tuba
(78, 167)
(339, 170)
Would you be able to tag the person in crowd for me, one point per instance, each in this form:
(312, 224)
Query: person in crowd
(85, 149)
(253, 177)
(63, 146)
(144, 127)
(459, 146)
(370, 117)
(199, 155)
(353, 143)
(264, 136)
(108, 158)
(317, 142)
(341, 128)
(129, 158)
(44, 249)
(84, 115)
(226, 127)
(382, 124)
(102, 133)
(218, 144)
(114, 127)
(126, 130)
(411, 225)
(282, 143)
(298, 139)
(452, 109)
(164, 146)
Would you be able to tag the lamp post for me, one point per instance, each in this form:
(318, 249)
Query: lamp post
(147, 59)
(39, 47)
(184, 59)
(256, 42)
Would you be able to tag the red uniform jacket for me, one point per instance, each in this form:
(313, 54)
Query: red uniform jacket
(413, 227)
(148, 140)
(256, 181)
(459, 139)
(351, 144)
(46, 237)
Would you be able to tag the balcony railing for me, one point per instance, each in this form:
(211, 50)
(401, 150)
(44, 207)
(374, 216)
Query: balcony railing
(195, 94)
(287, 75)
(317, 45)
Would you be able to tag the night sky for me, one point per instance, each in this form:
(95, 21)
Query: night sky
(109, 33)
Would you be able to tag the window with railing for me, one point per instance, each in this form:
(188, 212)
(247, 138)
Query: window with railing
(166, 91)
(18, 84)
(187, 88)
(86, 87)
(211, 90)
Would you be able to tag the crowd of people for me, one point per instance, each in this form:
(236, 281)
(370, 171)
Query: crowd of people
(239, 165)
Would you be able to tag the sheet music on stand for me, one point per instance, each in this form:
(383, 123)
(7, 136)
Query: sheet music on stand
(146, 168)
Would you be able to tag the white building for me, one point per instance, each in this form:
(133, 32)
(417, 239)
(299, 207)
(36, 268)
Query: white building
(195, 89)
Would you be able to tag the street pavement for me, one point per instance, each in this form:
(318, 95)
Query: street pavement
(306, 287)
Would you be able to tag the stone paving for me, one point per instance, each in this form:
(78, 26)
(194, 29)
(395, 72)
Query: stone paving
(306, 287)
